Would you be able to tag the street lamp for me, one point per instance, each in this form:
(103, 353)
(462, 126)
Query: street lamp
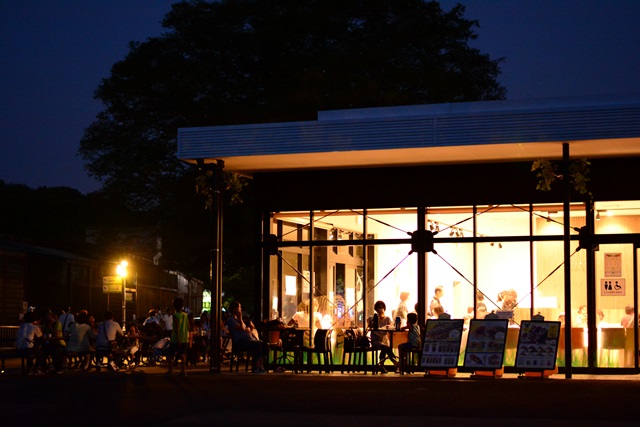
(121, 270)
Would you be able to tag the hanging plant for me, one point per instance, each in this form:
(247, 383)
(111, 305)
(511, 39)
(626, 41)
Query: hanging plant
(547, 173)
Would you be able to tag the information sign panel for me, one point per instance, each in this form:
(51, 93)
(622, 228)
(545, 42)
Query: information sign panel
(111, 284)
(485, 344)
(442, 343)
(537, 345)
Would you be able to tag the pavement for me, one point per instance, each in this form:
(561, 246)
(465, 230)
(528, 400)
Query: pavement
(147, 397)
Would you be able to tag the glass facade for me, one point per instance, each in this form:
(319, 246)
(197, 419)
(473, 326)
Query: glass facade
(505, 259)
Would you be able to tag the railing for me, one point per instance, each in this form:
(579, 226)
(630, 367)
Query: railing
(8, 337)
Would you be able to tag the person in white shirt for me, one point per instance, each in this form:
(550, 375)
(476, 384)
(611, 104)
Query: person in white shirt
(28, 333)
(80, 337)
(108, 331)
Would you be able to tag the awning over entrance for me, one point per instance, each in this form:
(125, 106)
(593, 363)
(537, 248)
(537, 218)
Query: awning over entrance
(474, 132)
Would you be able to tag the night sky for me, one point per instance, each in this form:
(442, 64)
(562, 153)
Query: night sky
(55, 53)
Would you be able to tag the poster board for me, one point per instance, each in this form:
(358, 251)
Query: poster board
(537, 345)
(486, 344)
(441, 347)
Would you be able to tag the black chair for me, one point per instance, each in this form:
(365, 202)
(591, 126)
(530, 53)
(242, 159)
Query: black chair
(352, 346)
(239, 356)
(321, 347)
(409, 359)
(289, 352)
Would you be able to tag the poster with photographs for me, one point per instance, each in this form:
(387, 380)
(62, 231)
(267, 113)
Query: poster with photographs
(441, 347)
(537, 345)
(485, 344)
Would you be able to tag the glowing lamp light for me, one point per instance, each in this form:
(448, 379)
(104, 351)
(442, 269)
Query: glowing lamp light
(121, 269)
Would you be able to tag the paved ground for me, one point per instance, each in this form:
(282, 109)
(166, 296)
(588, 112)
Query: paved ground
(146, 397)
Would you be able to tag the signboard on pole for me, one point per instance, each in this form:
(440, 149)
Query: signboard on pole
(112, 284)
(485, 344)
(537, 345)
(442, 343)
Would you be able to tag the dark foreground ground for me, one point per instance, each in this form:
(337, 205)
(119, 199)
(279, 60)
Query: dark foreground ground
(145, 397)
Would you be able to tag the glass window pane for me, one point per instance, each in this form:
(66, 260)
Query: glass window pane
(616, 317)
(619, 217)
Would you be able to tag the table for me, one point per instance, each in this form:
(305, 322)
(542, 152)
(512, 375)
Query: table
(395, 337)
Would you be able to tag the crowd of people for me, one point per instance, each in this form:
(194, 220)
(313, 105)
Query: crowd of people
(52, 341)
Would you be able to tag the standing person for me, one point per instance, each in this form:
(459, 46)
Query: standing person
(435, 302)
(402, 309)
(205, 334)
(108, 330)
(243, 340)
(167, 322)
(179, 338)
(413, 337)
(380, 338)
(581, 317)
(28, 341)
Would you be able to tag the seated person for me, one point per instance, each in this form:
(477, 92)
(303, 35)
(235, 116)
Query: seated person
(54, 346)
(629, 318)
(80, 339)
(107, 332)
(437, 312)
(243, 340)
(413, 341)
(131, 346)
(28, 341)
(301, 318)
(380, 339)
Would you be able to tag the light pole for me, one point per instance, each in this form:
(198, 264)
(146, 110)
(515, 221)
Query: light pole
(121, 270)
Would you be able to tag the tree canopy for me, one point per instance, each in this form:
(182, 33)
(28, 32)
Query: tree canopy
(252, 61)
(256, 61)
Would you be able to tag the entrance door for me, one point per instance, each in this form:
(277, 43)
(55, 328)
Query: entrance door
(616, 311)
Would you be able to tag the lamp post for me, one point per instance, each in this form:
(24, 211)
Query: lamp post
(121, 270)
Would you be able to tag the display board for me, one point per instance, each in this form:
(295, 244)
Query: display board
(441, 347)
(537, 345)
(485, 344)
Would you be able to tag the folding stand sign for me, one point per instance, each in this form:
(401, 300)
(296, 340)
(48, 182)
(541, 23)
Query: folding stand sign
(484, 354)
(441, 347)
(537, 349)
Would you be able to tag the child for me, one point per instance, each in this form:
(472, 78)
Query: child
(414, 338)
(179, 338)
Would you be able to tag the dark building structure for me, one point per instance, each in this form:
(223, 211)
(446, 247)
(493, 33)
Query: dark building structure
(47, 278)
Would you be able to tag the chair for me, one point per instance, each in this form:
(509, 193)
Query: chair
(409, 359)
(225, 354)
(238, 356)
(351, 347)
(578, 343)
(321, 346)
(290, 350)
(613, 341)
(272, 338)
